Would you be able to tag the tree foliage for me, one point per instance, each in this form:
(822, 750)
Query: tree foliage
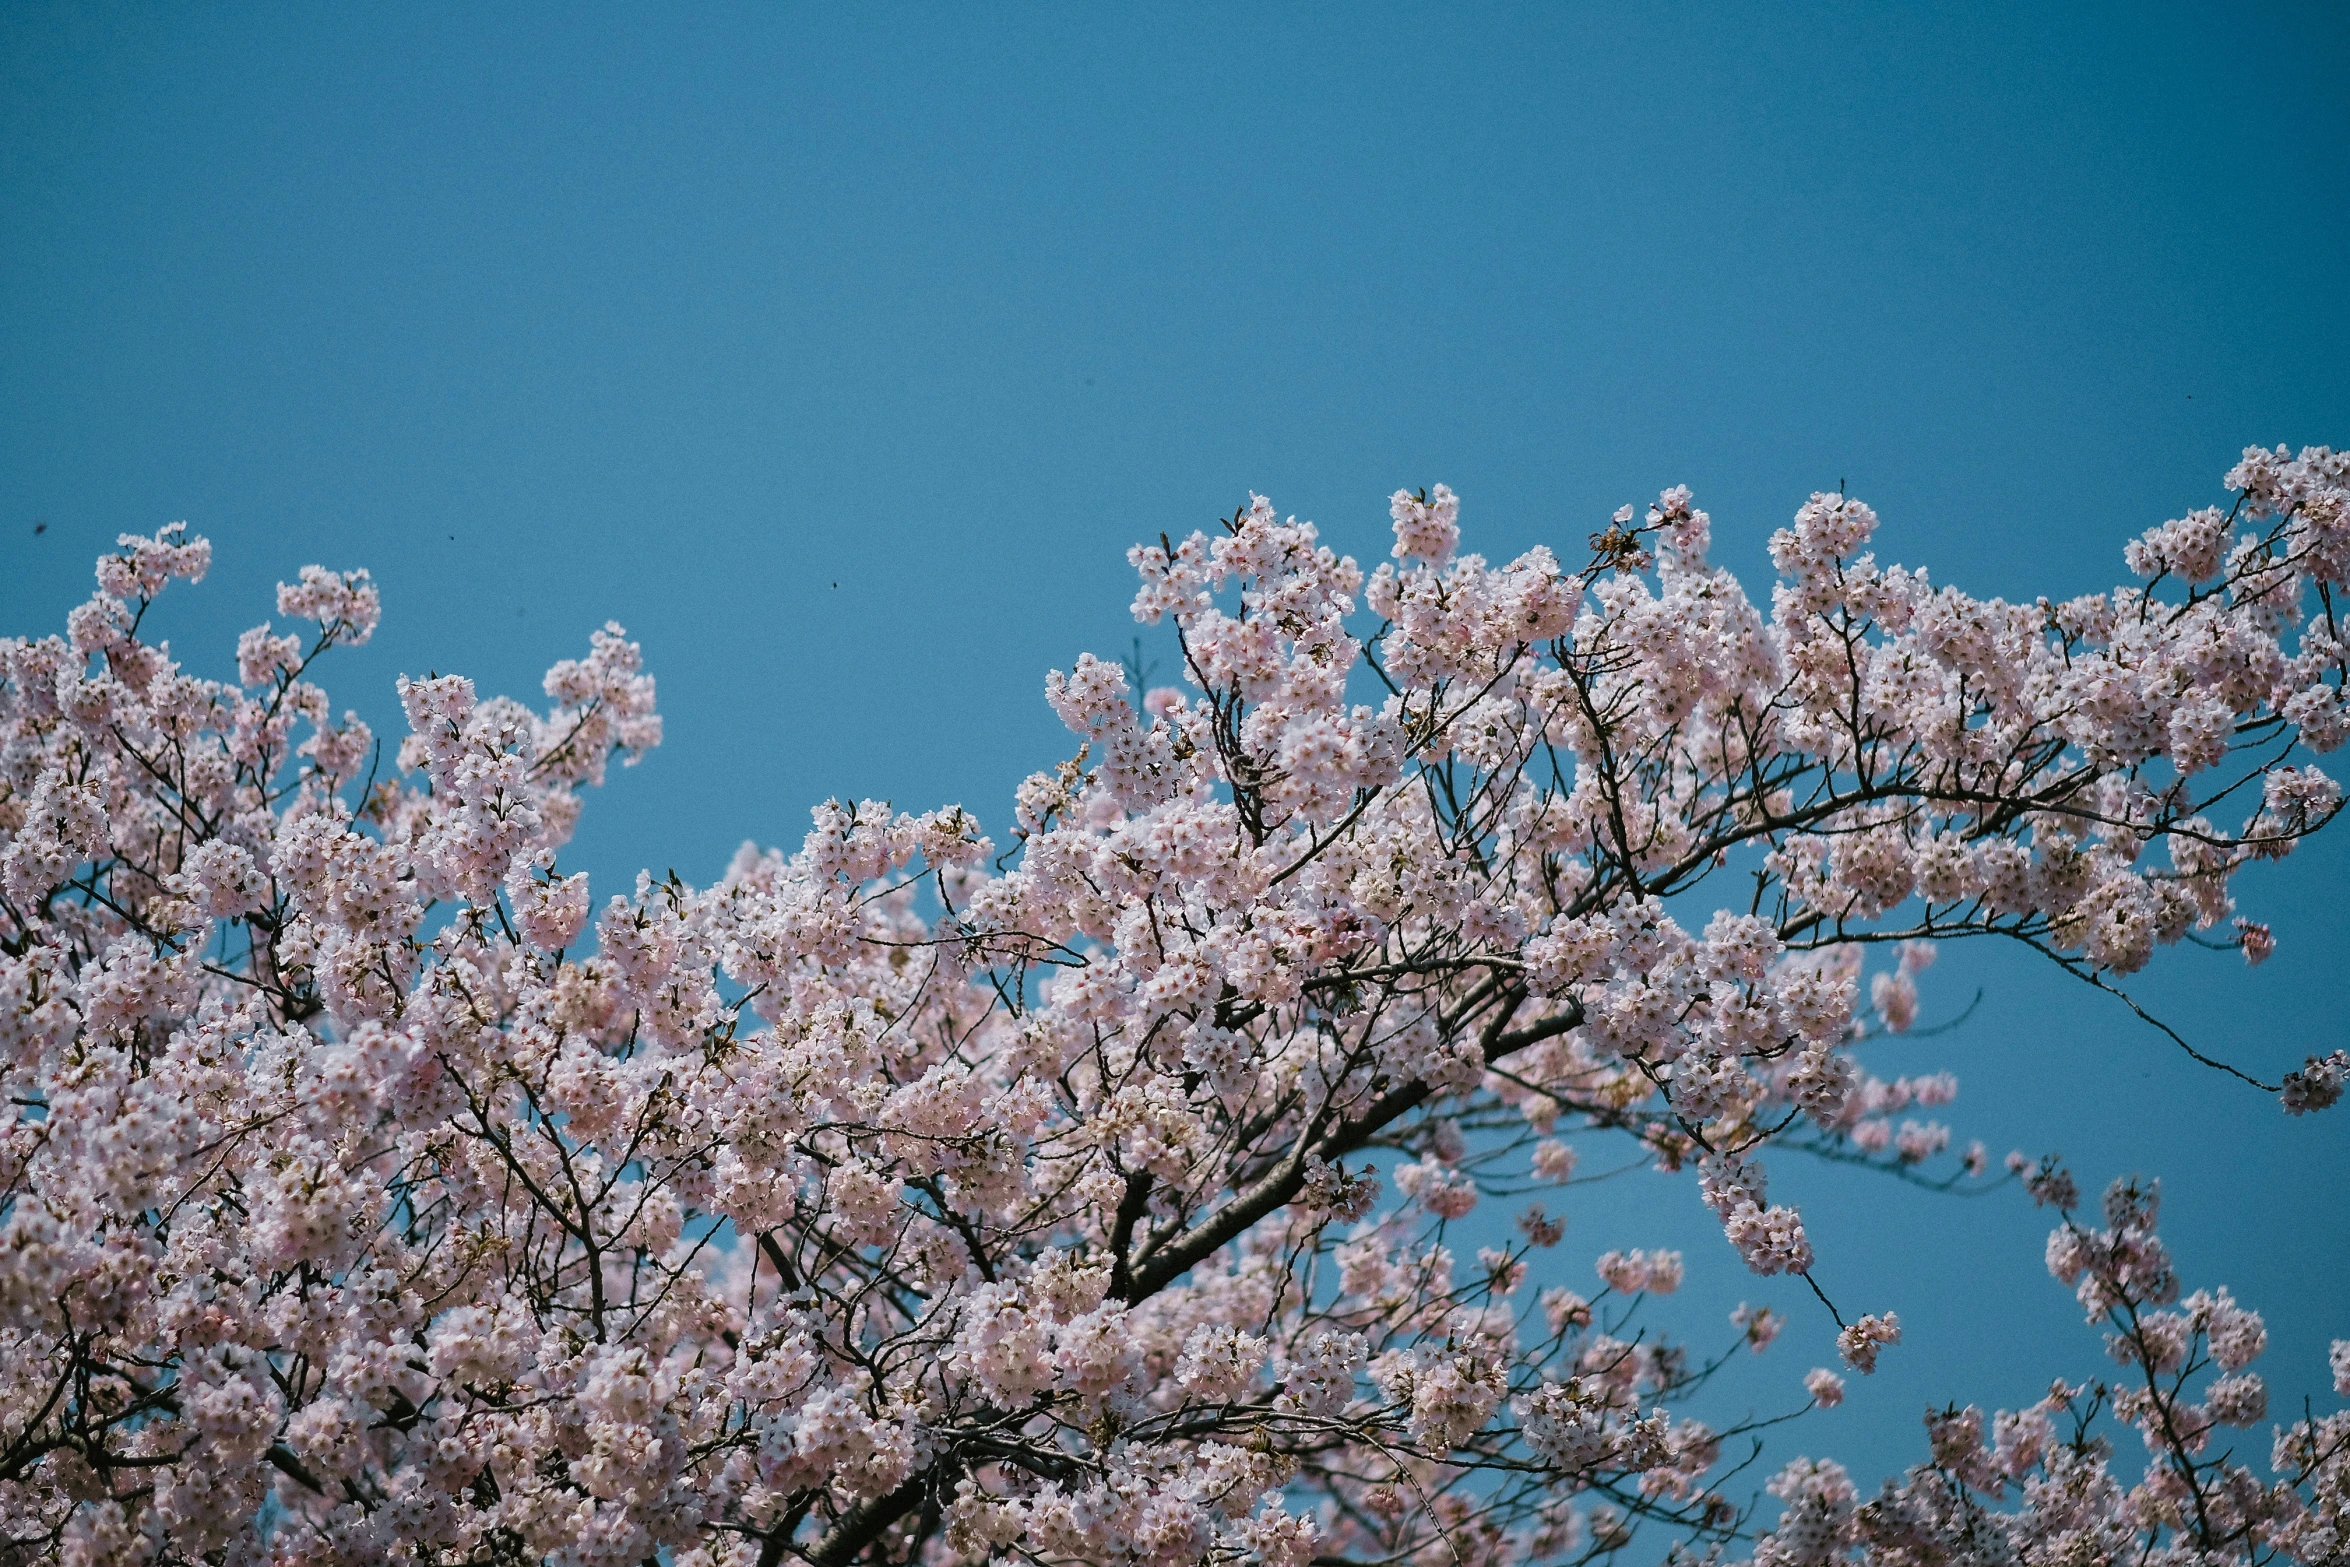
(1092, 1197)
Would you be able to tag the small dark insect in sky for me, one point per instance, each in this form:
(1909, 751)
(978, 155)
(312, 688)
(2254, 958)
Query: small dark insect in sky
(40, 527)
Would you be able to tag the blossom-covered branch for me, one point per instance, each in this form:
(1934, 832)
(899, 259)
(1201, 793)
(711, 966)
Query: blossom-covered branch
(1099, 1196)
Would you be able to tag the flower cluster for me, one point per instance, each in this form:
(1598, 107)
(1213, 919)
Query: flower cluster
(370, 1194)
(2185, 1386)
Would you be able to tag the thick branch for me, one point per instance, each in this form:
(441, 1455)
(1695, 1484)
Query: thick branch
(1283, 1182)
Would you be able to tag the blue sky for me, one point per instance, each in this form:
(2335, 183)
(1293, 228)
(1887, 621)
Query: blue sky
(841, 356)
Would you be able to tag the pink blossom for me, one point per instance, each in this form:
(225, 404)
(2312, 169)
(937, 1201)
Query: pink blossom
(1860, 1342)
(407, 1196)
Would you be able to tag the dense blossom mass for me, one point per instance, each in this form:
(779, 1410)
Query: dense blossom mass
(1100, 1194)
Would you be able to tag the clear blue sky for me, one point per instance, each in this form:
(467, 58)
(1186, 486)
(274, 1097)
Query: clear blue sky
(841, 356)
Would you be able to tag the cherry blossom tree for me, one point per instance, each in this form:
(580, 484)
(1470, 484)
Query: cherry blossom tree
(1092, 1195)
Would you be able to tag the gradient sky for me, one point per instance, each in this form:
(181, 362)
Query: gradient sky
(841, 357)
